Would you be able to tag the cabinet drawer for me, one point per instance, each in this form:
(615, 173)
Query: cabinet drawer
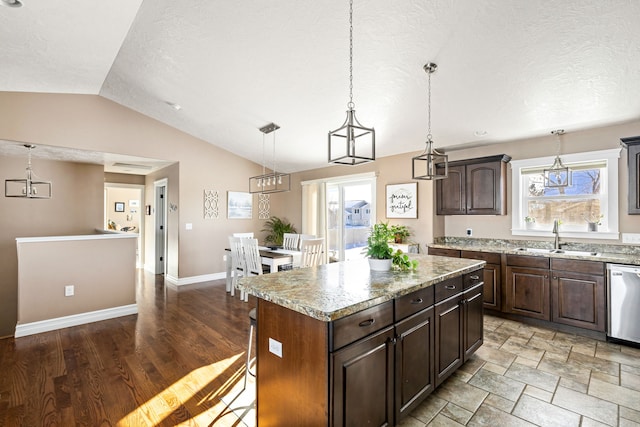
(454, 253)
(360, 324)
(448, 288)
(528, 261)
(472, 279)
(414, 302)
(490, 257)
(579, 266)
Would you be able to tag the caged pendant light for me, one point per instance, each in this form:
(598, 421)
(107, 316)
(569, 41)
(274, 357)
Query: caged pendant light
(28, 187)
(274, 181)
(431, 164)
(352, 143)
(558, 175)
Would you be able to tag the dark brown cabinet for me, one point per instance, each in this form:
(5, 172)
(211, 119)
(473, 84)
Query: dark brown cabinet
(473, 320)
(449, 337)
(491, 277)
(363, 382)
(527, 287)
(474, 187)
(633, 153)
(578, 293)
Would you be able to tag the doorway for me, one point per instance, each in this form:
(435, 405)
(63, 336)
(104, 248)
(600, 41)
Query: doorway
(350, 214)
(123, 212)
(160, 228)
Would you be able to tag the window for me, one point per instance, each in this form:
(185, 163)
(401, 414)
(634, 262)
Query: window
(592, 196)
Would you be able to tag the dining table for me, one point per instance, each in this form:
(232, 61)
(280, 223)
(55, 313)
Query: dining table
(272, 256)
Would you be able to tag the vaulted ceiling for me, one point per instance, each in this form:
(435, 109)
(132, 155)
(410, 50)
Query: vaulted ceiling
(507, 69)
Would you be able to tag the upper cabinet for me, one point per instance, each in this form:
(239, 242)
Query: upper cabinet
(474, 187)
(633, 152)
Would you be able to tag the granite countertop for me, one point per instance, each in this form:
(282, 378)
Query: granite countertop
(332, 291)
(604, 253)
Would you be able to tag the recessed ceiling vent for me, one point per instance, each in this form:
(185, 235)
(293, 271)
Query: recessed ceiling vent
(131, 166)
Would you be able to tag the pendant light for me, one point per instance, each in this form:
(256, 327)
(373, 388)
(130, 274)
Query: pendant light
(29, 187)
(431, 164)
(274, 181)
(558, 175)
(352, 143)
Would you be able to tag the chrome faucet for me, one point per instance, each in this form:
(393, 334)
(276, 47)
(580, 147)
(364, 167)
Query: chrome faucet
(556, 242)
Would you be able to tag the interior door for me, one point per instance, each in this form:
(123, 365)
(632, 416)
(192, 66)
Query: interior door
(160, 228)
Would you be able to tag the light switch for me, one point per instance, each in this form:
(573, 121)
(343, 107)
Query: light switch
(189, 226)
(275, 347)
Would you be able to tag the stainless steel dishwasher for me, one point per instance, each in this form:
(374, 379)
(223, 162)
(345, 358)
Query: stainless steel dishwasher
(623, 288)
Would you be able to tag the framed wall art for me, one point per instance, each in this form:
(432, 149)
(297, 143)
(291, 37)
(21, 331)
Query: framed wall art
(402, 200)
(239, 205)
(119, 207)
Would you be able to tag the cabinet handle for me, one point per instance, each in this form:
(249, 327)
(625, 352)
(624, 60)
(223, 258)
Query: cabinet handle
(366, 323)
(474, 277)
(417, 301)
(449, 286)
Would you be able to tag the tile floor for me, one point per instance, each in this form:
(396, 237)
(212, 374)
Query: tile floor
(530, 376)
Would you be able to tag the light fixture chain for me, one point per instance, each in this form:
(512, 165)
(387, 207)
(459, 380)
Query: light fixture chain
(351, 105)
(429, 110)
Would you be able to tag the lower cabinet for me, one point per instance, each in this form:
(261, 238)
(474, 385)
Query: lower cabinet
(473, 320)
(449, 337)
(527, 286)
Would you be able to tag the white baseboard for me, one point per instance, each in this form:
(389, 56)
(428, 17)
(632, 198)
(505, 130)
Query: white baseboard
(22, 330)
(181, 281)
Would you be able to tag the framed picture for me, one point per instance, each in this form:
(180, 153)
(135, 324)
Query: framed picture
(402, 200)
(119, 206)
(134, 203)
(239, 205)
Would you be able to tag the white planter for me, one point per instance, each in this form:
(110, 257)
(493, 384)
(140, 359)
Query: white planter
(380, 264)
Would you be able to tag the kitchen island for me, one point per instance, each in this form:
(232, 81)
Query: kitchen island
(341, 345)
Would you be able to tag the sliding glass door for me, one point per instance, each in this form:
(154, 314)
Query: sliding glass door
(350, 214)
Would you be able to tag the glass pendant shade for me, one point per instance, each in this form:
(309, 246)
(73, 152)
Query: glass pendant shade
(430, 165)
(27, 187)
(352, 144)
(558, 175)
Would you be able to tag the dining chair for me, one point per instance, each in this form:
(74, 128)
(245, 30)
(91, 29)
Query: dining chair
(312, 252)
(252, 260)
(244, 235)
(302, 237)
(290, 241)
(237, 263)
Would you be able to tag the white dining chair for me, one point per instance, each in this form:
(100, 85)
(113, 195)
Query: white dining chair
(252, 260)
(312, 252)
(302, 237)
(237, 262)
(244, 235)
(290, 241)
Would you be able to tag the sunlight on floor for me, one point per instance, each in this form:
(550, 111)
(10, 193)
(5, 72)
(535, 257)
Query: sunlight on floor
(153, 411)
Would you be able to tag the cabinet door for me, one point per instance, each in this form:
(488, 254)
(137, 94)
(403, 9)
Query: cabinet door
(492, 285)
(414, 361)
(450, 192)
(473, 330)
(633, 152)
(484, 188)
(449, 341)
(578, 300)
(527, 292)
(363, 382)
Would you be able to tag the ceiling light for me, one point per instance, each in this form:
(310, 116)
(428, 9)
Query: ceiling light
(11, 3)
(28, 187)
(558, 175)
(274, 181)
(176, 107)
(431, 164)
(481, 133)
(352, 143)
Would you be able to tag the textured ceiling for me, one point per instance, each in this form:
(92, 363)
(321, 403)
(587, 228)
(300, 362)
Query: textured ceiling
(510, 69)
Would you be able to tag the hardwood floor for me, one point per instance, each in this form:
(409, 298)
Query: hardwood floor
(169, 365)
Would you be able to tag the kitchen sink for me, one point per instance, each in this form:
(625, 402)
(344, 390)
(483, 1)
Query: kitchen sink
(558, 251)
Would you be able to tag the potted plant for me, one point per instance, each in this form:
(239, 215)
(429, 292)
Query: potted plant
(275, 228)
(381, 255)
(529, 221)
(593, 221)
(400, 232)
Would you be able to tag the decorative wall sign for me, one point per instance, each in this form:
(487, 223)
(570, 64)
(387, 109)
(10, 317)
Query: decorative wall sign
(239, 205)
(402, 200)
(211, 206)
(264, 206)
(119, 207)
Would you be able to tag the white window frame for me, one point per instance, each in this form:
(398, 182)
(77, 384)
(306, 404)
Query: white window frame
(610, 188)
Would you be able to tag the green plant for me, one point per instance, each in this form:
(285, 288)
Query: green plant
(529, 219)
(400, 232)
(402, 262)
(275, 228)
(378, 241)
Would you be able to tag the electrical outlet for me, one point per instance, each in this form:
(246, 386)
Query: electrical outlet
(188, 226)
(69, 290)
(469, 232)
(275, 347)
(632, 238)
